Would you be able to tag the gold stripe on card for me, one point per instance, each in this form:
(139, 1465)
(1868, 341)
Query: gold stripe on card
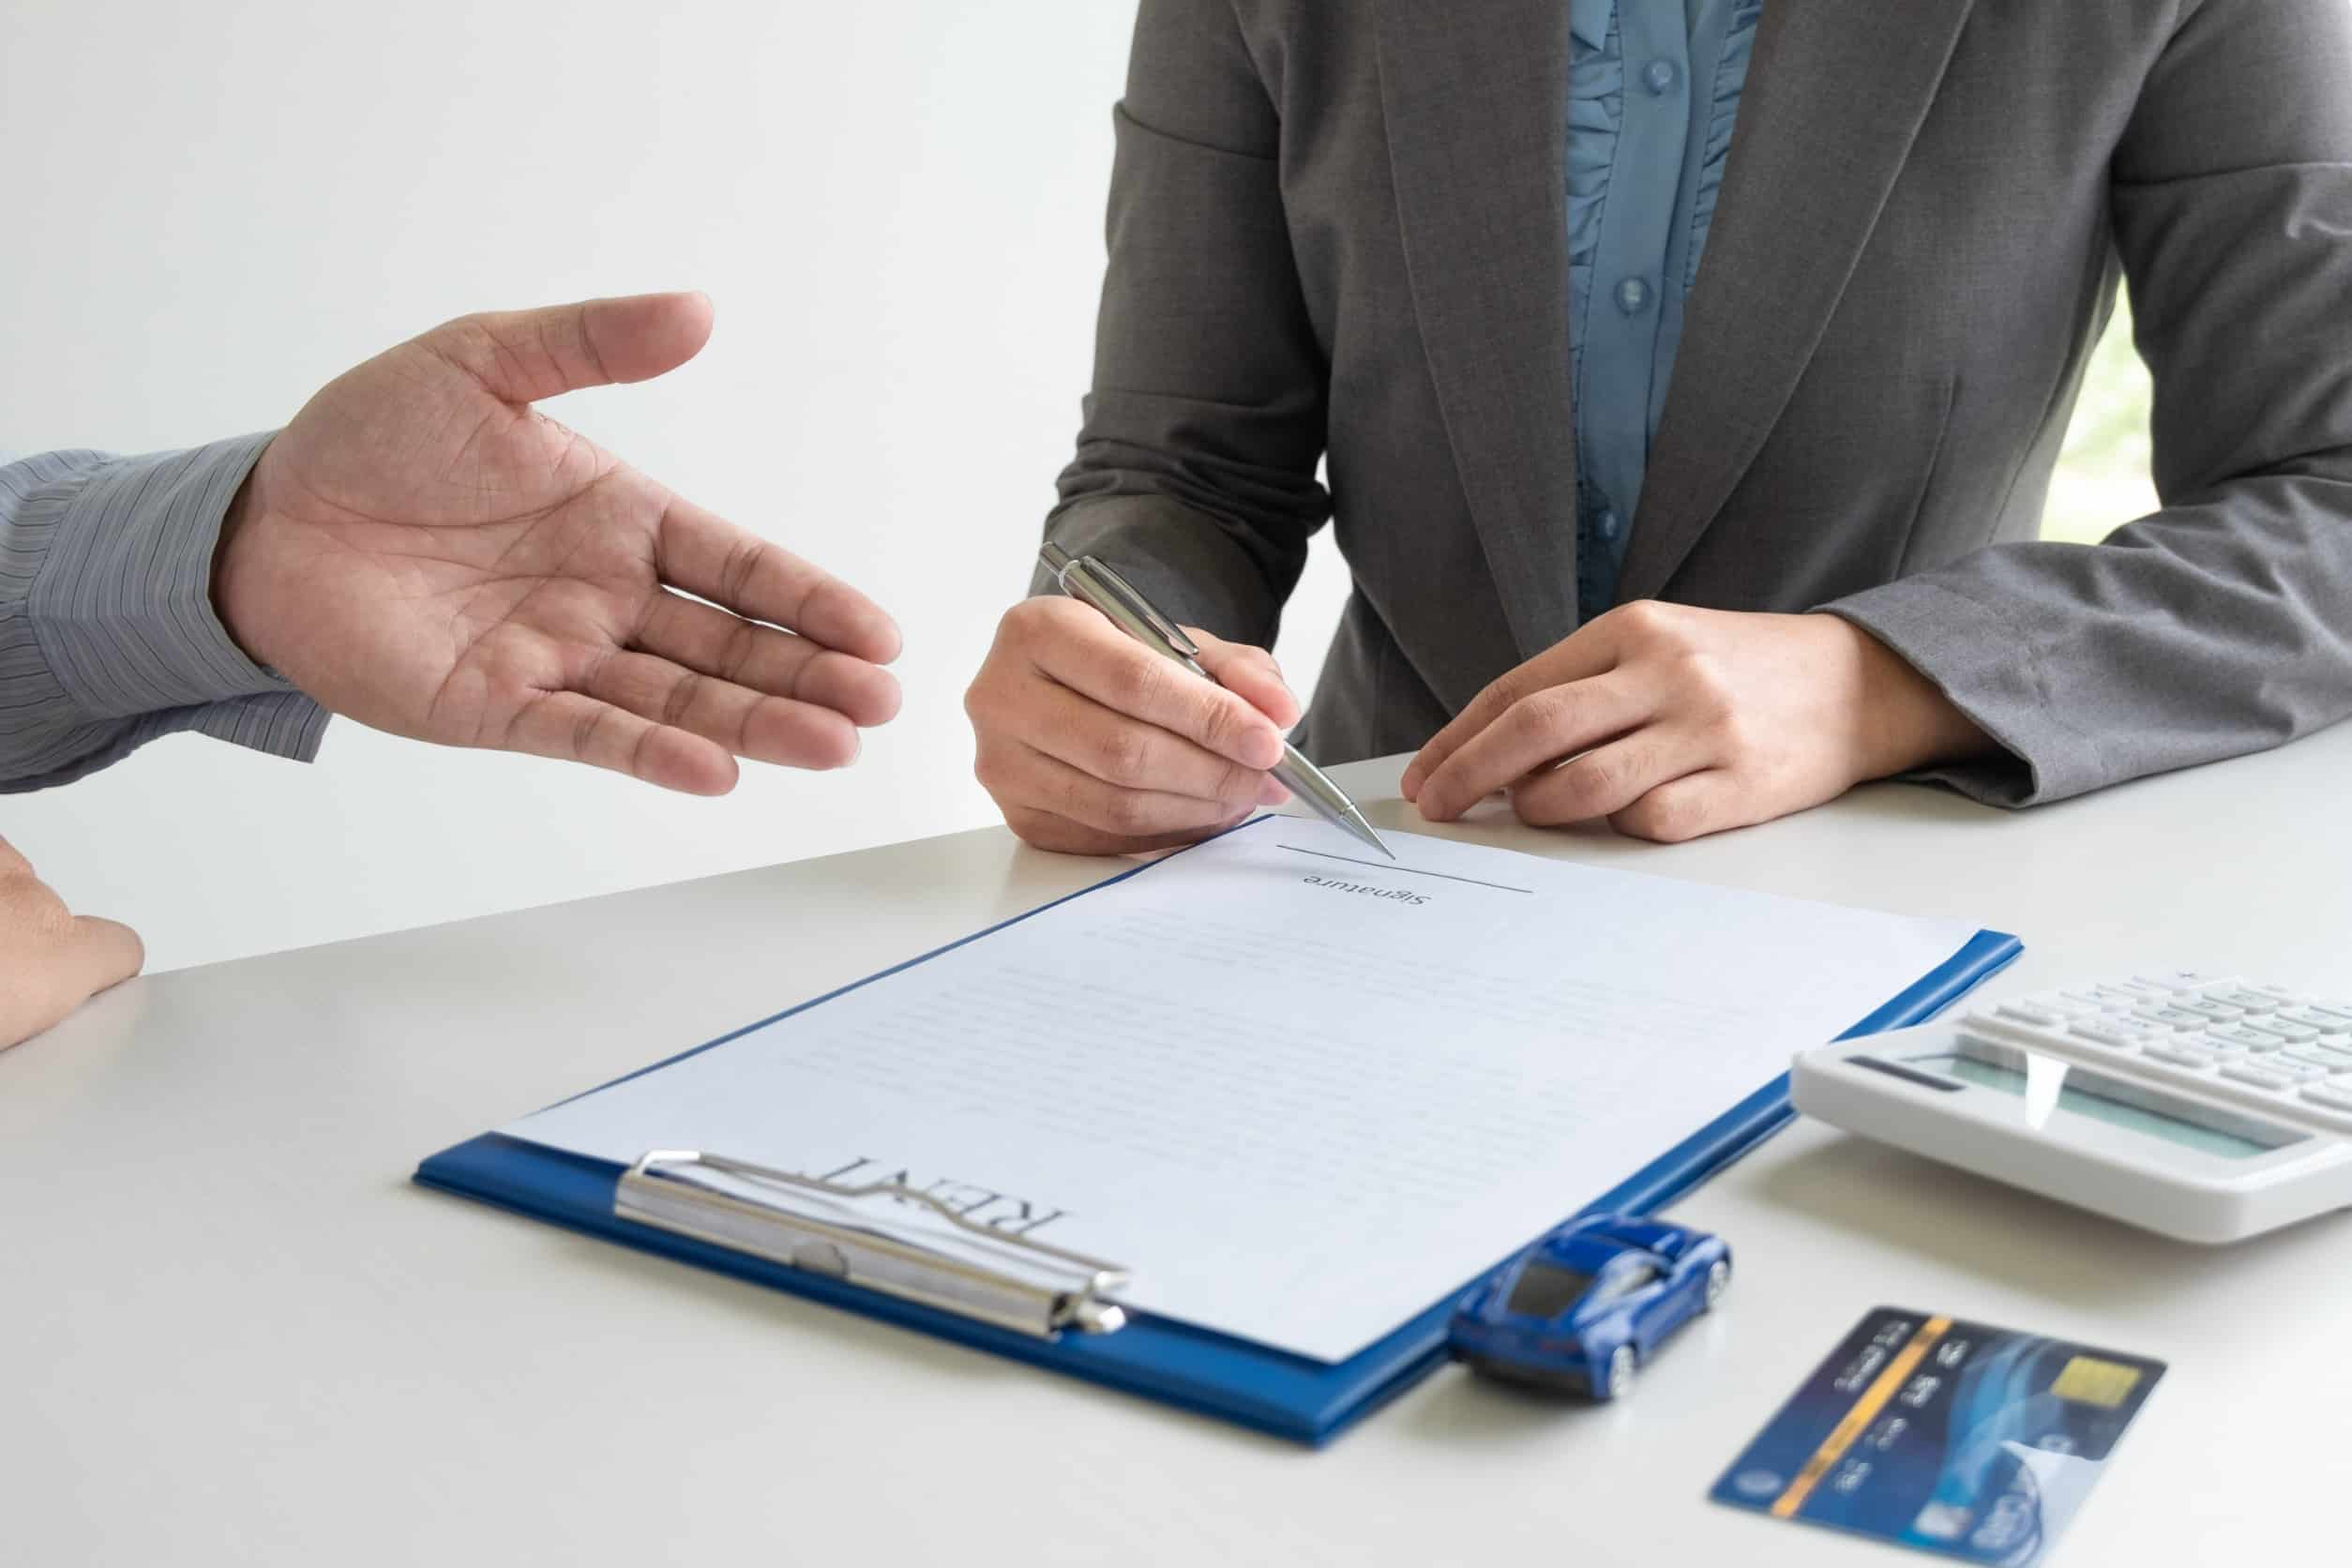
(1865, 1410)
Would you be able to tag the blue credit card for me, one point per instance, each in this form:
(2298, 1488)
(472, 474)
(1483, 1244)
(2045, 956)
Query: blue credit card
(1951, 1437)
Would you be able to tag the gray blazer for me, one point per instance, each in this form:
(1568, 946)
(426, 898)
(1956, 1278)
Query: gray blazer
(1339, 230)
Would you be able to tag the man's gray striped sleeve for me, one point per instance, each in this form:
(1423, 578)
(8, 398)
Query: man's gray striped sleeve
(108, 636)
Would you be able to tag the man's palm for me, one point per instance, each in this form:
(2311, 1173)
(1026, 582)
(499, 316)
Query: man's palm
(423, 551)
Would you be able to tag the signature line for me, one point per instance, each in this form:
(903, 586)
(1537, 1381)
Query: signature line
(1410, 871)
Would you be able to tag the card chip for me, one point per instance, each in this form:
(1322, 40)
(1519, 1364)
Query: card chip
(2088, 1381)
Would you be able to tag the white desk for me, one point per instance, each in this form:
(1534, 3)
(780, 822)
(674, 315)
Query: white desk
(231, 1331)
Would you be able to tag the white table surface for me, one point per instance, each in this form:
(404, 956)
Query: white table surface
(230, 1331)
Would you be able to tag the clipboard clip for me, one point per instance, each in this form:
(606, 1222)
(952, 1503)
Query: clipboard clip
(944, 1260)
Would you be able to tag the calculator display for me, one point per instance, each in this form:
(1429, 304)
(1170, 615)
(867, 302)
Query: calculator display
(2146, 1111)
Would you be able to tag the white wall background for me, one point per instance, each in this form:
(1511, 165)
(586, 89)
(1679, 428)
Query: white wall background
(897, 209)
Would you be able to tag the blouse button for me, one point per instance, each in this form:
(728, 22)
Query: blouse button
(1658, 76)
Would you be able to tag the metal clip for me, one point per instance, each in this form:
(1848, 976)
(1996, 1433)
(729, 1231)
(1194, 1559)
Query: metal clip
(950, 1261)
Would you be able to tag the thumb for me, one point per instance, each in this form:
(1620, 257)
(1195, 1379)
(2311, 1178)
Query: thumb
(1250, 673)
(521, 356)
(97, 953)
(81, 959)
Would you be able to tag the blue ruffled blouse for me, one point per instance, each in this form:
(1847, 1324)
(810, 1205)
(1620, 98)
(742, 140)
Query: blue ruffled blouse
(1654, 88)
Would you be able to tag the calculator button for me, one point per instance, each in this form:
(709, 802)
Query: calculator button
(2340, 1011)
(2310, 1018)
(2253, 1002)
(2261, 1077)
(2185, 1056)
(2027, 1012)
(2113, 1032)
(2274, 1024)
(2239, 1037)
(1992, 1028)
(2131, 993)
(2331, 1095)
(2085, 996)
(2320, 1056)
(2168, 1018)
(2070, 1006)
(2220, 1012)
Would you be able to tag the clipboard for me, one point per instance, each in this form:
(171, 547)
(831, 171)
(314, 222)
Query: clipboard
(1064, 1329)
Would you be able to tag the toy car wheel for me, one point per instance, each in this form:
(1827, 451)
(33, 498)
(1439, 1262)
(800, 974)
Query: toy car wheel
(1718, 1280)
(1620, 1379)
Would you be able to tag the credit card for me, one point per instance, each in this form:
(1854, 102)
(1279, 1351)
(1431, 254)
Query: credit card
(1951, 1437)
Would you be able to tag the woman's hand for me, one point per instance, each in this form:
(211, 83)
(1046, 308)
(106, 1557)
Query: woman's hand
(1673, 722)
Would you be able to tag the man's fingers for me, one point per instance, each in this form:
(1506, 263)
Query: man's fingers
(1540, 728)
(1094, 658)
(707, 556)
(1608, 779)
(574, 727)
(748, 723)
(710, 641)
(525, 356)
(1248, 671)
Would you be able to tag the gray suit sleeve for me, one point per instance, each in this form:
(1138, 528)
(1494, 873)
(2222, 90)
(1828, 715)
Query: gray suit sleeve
(2222, 624)
(107, 636)
(1195, 472)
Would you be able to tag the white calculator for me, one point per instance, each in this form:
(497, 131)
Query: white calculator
(2199, 1107)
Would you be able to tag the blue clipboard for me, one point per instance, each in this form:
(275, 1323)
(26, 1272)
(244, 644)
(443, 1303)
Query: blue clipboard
(1195, 1368)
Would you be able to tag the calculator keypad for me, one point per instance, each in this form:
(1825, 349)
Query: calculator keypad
(2255, 1045)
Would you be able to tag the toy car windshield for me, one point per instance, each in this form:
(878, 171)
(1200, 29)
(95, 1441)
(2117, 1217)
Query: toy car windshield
(1547, 1290)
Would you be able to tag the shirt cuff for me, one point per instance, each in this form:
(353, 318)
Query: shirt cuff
(120, 604)
(123, 605)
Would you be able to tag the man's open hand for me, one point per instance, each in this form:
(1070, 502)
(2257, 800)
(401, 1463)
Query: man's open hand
(423, 551)
(51, 960)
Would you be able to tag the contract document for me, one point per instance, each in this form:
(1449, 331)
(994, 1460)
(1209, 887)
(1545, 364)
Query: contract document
(1302, 1092)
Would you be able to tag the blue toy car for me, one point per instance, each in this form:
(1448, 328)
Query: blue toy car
(1590, 1303)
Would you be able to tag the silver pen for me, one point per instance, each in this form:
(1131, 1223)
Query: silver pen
(1092, 581)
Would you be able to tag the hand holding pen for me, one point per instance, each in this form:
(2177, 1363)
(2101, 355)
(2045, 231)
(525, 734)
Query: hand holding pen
(1098, 583)
(1093, 743)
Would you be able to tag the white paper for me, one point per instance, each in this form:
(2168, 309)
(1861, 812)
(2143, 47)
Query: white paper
(1302, 1092)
